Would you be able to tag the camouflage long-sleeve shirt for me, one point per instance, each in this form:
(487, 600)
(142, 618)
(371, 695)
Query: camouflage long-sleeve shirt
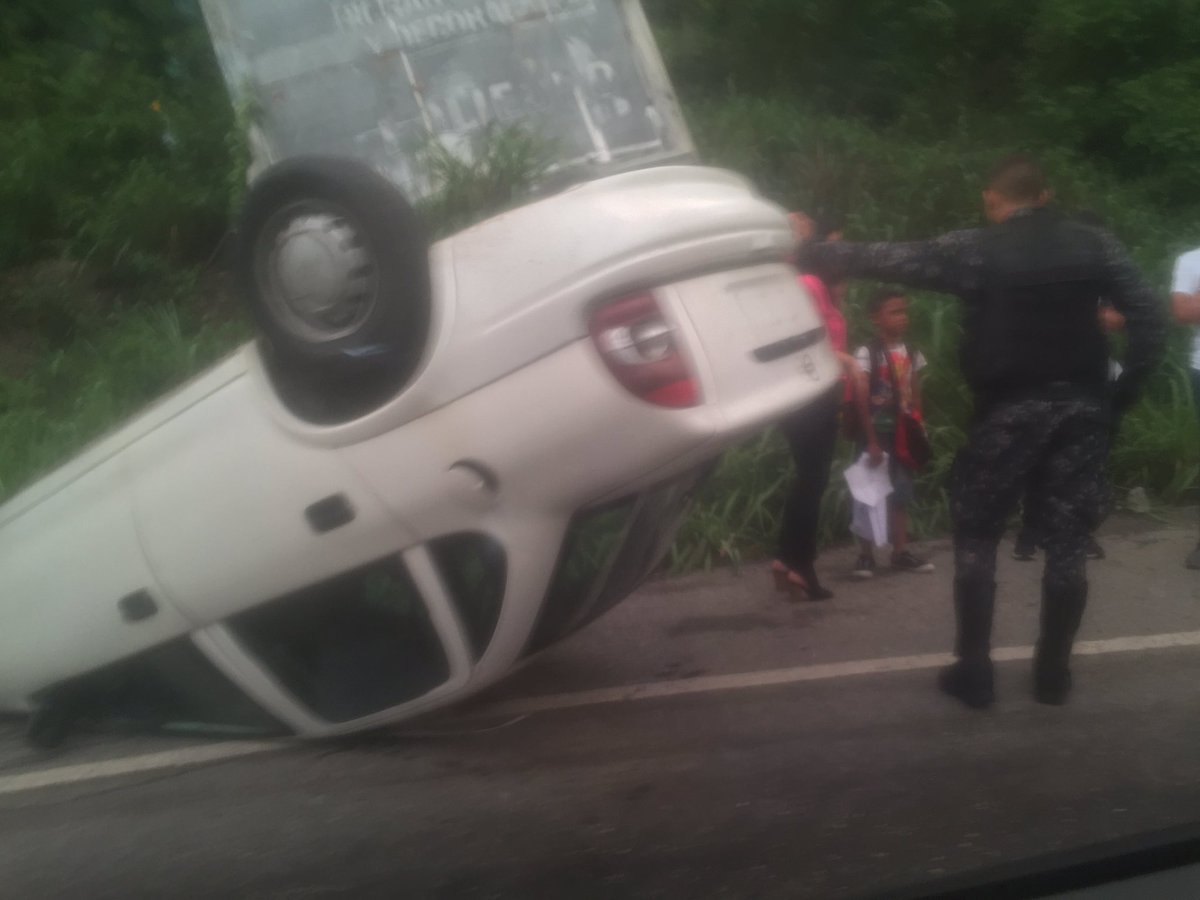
(957, 263)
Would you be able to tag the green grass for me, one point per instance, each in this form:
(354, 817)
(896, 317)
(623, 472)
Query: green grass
(105, 372)
(506, 165)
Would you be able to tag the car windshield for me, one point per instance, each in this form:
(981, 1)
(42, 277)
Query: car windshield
(403, 83)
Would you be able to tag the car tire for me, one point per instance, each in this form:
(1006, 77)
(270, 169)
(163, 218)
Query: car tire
(333, 263)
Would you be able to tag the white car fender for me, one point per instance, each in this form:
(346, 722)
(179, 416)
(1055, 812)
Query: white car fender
(222, 497)
(67, 565)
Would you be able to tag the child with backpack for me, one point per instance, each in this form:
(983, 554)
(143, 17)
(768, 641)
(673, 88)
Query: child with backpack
(889, 423)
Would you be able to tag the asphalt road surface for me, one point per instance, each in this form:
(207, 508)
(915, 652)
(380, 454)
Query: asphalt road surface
(706, 739)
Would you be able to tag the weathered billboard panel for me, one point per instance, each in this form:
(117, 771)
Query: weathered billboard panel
(380, 79)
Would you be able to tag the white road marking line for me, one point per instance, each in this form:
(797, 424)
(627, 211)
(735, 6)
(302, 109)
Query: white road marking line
(210, 753)
(109, 768)
(772, 677)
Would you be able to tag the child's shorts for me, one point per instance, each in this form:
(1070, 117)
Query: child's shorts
(902, 485)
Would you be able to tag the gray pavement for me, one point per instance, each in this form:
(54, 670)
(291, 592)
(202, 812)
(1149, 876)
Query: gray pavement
(857, 783)
(723, 621)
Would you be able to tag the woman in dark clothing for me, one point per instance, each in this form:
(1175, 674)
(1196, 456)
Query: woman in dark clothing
(811, 434)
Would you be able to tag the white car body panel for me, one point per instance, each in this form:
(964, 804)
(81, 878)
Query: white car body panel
(200, 501)
(56, 562)
(110, 445)
(220, 495)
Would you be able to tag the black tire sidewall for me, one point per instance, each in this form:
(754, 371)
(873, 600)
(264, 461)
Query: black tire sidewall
(395, 331)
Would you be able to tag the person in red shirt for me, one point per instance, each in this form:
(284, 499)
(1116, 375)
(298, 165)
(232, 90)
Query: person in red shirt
(811, 434)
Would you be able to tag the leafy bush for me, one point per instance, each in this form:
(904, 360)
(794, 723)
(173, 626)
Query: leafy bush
(505, 166)
(113, 128)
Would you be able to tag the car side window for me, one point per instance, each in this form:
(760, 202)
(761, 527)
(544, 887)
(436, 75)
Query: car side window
(607, 552)
(648, 540)
(172, 687)
(592, 542)
(474, 570)
(351, 646)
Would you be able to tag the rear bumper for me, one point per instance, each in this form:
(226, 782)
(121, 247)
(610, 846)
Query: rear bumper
(762, 347)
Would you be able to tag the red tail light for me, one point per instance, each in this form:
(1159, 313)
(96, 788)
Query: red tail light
(638, 345)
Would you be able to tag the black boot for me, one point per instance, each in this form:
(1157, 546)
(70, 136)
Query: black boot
(971, 679)
(970, 683)
(1051, 684)
(1062, 611)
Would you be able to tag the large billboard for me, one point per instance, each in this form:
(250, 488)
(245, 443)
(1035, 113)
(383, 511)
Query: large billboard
(381, 79)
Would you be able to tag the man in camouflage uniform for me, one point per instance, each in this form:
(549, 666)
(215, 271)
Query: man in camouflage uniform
(1036, 360)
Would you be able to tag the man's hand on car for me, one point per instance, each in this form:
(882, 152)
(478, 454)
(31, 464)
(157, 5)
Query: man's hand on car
(1111, 320)
(804, 228)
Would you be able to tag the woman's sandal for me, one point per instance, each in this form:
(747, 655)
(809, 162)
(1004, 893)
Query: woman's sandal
(792, 582)
(789, 582)
(780, 573)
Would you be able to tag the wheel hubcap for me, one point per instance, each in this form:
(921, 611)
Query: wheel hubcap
(317, 274)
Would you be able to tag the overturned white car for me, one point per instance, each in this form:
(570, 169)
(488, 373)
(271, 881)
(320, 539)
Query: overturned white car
(436, 460)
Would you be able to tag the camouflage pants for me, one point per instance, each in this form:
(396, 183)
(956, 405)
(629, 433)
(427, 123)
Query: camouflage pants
(1057, 449)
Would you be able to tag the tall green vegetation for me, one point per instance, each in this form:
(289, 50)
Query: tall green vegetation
(113, 131)
(116, 163)
(888, 113)
(508, 163)
(121, 162)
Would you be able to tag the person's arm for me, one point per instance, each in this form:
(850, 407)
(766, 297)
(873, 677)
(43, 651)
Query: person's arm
(862, 405)
(856, 381)
(916, 389)
(1186, 308)
(850, 367)
(1185, 298)
(1111, 320)
(951, 263)
(1145, 321)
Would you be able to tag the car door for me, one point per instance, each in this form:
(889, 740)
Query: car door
(76, 592)
(234, 511)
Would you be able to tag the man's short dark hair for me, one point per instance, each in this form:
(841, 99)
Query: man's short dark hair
(1018, 178)
(882, 296)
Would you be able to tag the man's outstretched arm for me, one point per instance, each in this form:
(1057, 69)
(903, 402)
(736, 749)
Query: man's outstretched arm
(951, 263)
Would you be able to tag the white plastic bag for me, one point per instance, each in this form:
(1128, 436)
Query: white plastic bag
(870, 486)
